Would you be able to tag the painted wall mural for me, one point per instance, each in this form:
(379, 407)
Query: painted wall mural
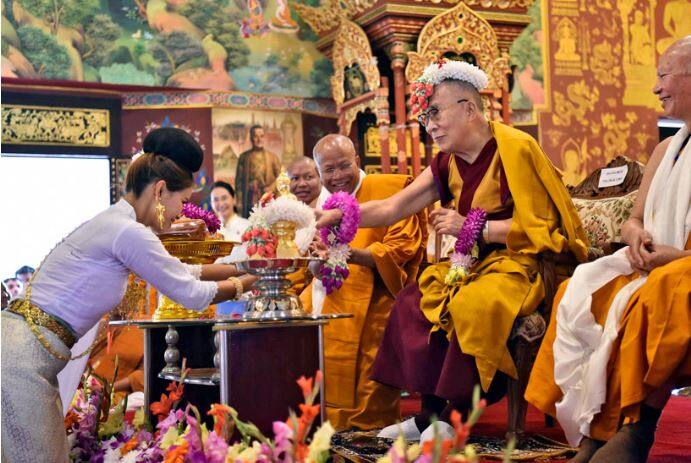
(138, 123)
(258, 46)
(250, 147)
(600, 73)
(528, 90)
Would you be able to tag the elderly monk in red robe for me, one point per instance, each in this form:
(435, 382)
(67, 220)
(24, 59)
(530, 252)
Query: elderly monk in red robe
(441, 338)
(383, 261)
(618, 339)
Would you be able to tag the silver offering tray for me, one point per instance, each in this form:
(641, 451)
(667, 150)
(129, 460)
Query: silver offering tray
(273, 300)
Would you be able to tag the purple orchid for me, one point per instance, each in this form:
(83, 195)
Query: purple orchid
(192, 211)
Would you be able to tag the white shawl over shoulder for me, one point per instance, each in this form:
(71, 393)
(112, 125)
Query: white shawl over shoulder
(582, 348)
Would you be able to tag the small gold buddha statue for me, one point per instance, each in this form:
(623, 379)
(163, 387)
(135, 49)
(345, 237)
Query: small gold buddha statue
(285, 229)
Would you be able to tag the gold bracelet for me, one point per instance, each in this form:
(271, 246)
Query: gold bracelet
(485, 232)
(238, 286)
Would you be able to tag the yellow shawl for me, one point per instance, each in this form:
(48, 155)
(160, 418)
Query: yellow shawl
(482, 308)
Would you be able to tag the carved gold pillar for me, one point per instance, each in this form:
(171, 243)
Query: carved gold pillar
(383, 121)
(385, 156)
(415, 144)
(398, 62)
(429, 147)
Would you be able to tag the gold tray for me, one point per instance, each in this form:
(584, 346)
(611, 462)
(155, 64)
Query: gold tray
(199, 252)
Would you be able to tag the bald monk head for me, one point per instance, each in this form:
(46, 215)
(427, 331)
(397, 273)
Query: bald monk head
(338, 163)
(305, 183)
(673, 86)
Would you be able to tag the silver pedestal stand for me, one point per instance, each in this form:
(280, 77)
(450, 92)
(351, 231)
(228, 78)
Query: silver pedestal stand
(273, 300)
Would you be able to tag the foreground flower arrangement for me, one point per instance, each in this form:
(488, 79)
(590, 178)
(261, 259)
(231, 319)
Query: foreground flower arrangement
(97, 433)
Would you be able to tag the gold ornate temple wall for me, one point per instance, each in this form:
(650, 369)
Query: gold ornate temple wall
(600, 68)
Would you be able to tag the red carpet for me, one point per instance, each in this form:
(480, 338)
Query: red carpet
(672, 440)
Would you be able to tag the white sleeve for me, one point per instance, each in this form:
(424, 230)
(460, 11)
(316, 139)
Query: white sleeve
(195, 270)
(142, 252)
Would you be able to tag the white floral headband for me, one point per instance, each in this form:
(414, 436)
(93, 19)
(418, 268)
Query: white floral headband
(440, 71)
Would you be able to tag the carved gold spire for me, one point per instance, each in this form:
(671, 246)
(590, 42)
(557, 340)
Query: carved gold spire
(460, 30)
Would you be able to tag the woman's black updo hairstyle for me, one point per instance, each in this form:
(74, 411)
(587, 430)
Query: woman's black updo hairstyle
(170, 154)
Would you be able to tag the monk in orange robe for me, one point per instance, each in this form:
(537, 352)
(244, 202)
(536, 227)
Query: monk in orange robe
(306, 185)
(444, 338)
(382, 262)
(639, 307)
(127, 343)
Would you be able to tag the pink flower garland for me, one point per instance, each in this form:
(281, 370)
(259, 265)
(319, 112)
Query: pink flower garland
(463, 259)
(337, 238)
(192, 211)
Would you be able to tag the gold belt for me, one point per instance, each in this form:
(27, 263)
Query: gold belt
(37, 317)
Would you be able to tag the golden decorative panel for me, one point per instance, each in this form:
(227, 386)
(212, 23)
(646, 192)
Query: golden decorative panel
(373, 142)
(351, 48)
(503, 4)
(348, 116)
(45, 125)
(460, 30)
(600, 60)
(327, 16)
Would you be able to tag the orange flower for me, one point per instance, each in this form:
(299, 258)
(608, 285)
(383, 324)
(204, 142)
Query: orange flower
(161, 409)
(71, 419)
(176, 391)
(220, 412)
(318, 377)
(456, 419)
(129, 445)
(446, 445)
(177, 454)
(309, 412)
(301, 452)
(462, 429)
(306, 386)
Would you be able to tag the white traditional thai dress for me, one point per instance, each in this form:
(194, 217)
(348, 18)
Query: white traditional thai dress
(81, 279)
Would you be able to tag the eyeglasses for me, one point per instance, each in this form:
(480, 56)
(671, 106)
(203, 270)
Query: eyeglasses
(432, 114)
(343, 167)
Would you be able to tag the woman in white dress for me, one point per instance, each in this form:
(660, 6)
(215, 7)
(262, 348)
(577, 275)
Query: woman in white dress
(223, 204)
(85, 276)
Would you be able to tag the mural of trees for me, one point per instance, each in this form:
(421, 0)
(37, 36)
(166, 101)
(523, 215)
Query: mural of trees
(526, 57)
(223, 24)
(99, 39)
(213, 44)
(62, 12)
(48, 57)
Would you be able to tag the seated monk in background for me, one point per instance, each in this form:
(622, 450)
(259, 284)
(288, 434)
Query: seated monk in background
(128, 345)
(382, 262)
(305, 182)
(306, 185)
(443, 339)
(618, 339)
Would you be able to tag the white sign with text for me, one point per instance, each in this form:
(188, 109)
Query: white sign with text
(613, 176)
